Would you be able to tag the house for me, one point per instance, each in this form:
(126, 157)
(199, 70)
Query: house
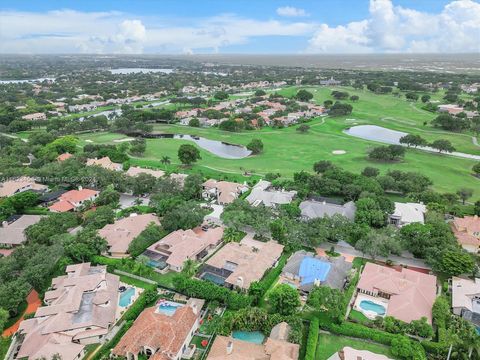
(134, 171)
(80, 309)
(304, 271)
(63, 157)
(105, 163)
(263, 194)
(12, 233)
(224, 192)
(404, 294)
(276, 347)
(122, 232)
(312, 209)
(452, 109)
(467, 232)
(348, 353)
(161, 334)
(466, 299)
(330, 82)
(171, 252)
(73, 200)
(35, 116)
(407, 213)
(49, 197)
(179, 178)
(15, 186)
(237, 265)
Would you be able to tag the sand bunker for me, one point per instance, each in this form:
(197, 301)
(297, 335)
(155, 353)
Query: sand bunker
(338, 152)
(123, 140)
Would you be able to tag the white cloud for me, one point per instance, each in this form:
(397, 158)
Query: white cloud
(392, 28)
(291, 11)
(67, 31)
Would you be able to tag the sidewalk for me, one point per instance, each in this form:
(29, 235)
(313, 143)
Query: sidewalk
(34, 303)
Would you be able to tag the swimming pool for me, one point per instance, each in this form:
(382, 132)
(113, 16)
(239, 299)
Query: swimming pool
(126, 297)
(213, 278)
(255, 337)
(168, 307)
(368, 305)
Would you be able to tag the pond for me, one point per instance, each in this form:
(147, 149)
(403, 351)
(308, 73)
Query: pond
(219, 148)
(376, 133)
(388, 136)
(126, 71)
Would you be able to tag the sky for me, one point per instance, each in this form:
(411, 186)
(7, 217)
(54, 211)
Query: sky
(239, 26)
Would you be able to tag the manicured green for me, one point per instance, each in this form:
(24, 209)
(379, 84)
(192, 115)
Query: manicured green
(287, 151)
(330, 344)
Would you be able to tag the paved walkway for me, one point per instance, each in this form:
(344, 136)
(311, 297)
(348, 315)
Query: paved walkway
(348, 252)
(34, 303)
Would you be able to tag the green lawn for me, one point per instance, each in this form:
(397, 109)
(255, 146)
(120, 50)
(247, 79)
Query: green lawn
(357, 315)
(330, 344)
(4, 345)
(286, 151)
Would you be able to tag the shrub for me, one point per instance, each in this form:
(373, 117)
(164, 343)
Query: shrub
(209, 291)
(312, 339)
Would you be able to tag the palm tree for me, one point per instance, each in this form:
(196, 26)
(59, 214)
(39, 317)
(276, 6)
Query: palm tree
(189, 267)
(165, 160)
(230, 234)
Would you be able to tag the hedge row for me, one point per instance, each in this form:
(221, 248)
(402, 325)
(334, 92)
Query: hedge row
(104, 352)
(312, 339)
(211, 292)
(363, 332)
(359, 331)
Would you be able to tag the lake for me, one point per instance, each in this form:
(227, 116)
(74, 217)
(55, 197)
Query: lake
(125, 71)
(388, 136)
(219, 148)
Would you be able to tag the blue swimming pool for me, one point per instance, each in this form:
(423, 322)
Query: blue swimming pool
(216, 279)
(372, 306)
(126, 297)
(168, 307)
(255, 337)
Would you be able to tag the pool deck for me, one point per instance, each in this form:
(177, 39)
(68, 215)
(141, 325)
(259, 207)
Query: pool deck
(121, 309)
(370, 314)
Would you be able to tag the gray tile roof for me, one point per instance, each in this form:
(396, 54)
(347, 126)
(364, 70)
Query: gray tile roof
(315, 209)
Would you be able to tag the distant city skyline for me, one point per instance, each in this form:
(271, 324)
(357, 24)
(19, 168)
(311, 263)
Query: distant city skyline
(241, 26)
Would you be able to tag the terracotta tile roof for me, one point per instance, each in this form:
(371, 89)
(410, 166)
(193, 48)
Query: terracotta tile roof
(135, 171)
(227, 191)
(121, 233)
(87, 297)
(63, 157)
(70, 200)
(14, 186)
(467, 230)
(182, 245)
(348, 353)
(249, 258)
(105, 163)
(412, 293)
(160, 332)
(233, 349)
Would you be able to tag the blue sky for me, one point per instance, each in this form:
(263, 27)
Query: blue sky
(239, 26)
